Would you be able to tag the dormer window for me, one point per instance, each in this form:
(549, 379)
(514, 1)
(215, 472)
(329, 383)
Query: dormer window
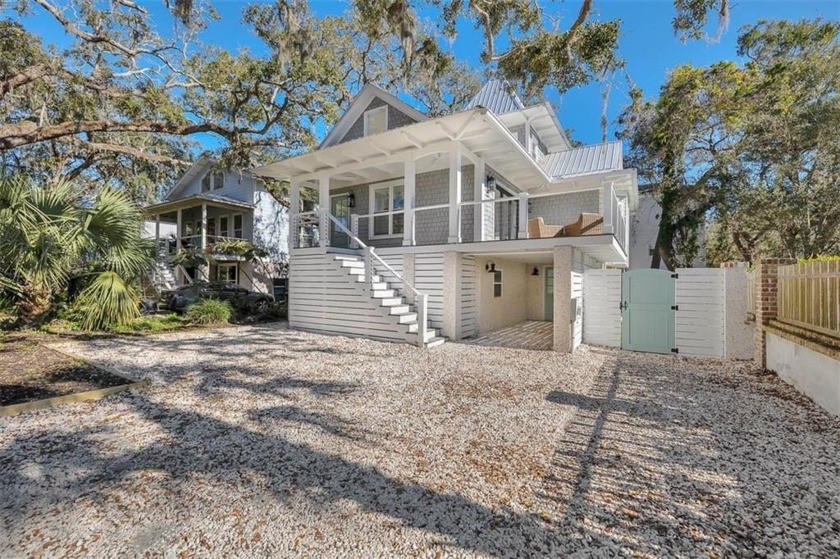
(376, 120)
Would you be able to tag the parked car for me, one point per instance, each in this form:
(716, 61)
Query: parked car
(186, 295)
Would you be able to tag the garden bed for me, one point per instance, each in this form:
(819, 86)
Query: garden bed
(31, 373)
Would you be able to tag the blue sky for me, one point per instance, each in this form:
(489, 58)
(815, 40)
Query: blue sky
(647, 44)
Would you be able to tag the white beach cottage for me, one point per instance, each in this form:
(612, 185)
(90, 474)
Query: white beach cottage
(210, 204)
(451, 227)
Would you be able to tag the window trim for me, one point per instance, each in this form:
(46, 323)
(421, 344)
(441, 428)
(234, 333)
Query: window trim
(233, 225)
(225, 265)
(391, 211)
(499, 283)
(214, 173)
(382, 109)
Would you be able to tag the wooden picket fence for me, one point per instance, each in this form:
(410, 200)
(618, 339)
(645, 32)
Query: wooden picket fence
(809, 296)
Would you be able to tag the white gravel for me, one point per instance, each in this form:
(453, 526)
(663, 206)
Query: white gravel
(264, 441)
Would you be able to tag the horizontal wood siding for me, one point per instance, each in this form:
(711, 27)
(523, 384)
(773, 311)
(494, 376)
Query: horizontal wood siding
(428, 279)
(601, 313)
(324, 298)
(396, 262)
(468, 295)
(699, 321)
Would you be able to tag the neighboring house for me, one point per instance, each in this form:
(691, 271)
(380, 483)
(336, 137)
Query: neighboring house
(645, 229)
(208, 205)
(452, 226)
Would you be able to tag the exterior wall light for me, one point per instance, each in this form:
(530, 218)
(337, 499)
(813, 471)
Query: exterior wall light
(351, 200)
(490, 267)
(490, 181)
(535, 272)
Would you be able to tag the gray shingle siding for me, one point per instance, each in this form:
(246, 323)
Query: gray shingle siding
(565, 209)
(431, 226)
(396, 119)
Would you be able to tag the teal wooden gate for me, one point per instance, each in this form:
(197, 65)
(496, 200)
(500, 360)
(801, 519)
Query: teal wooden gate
(648, 311)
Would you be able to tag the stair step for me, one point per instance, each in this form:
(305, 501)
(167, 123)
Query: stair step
(352, 264)
(392, 302)
(384, 294)
(398, 310)
(347, 257)
(435, 342)
(362, 278)
(407, 318)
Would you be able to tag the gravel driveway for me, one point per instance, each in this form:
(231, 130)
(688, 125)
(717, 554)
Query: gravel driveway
(265, 441)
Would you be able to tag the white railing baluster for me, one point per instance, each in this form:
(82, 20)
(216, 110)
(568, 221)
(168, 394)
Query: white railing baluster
(422, 317)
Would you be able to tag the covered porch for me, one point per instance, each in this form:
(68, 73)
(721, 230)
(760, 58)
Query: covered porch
(463, 178)
(202, 223)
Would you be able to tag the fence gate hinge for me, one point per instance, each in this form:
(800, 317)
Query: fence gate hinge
(675, 350)
(675, 307)
(675, 276)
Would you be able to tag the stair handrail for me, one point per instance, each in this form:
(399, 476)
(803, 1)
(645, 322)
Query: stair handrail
(421, 299)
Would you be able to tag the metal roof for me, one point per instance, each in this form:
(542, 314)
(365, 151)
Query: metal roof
(497, 96)
(584, 160)
(188, 201)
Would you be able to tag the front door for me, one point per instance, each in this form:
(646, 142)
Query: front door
(648, 304)
(340, 208)
(549, 293)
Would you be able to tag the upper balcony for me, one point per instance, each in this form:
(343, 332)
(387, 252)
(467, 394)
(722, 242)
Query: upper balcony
(585, 217)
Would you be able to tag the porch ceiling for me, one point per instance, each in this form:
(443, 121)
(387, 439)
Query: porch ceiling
(381, 156)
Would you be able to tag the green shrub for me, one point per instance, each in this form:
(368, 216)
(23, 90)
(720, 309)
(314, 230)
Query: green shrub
(209, 311)
(153, 324)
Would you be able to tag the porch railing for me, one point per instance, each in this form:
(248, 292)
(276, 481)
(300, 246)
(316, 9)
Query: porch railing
(375, 264)
(501, 219)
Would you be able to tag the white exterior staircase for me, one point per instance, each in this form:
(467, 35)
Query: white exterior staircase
(390, 302)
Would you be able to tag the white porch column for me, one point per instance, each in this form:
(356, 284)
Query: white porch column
(455, 194)
(179, 231)
(409, 235)
(563, 299)
(479, 193)
(451, 326)
(324, 205)
(523, 216)
(607, 207)
(294, 210)
(203, 269)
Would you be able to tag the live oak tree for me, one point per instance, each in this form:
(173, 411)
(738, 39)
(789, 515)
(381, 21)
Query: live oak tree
(123, 103)
(753, 148)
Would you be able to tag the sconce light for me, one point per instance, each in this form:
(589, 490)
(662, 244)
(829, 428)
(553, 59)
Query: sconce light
(536, 271)
(351, 200)
(490, 267)
(490, 181)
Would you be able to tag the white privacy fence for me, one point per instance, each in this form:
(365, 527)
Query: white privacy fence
(701, 324)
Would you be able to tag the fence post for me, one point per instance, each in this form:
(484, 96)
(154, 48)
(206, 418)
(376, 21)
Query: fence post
(766, 301)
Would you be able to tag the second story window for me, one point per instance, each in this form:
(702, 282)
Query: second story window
(388, 209)
(376, 120)
(206, 183)
(218, 180)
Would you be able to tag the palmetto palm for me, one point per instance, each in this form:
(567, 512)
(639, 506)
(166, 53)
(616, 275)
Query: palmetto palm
(49, 235)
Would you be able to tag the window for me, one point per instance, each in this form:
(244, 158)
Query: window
(237, 226)
(534, 147)
(388, 209)
(224, 230)
(226, 273)
(205, 183)
(497, 283)
(211, 226)
(376, 120)
(218, 180)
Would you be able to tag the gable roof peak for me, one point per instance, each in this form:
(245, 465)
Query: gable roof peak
(498, 96)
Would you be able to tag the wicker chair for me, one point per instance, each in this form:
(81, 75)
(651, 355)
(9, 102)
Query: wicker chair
(537, 229)
(586, 224)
